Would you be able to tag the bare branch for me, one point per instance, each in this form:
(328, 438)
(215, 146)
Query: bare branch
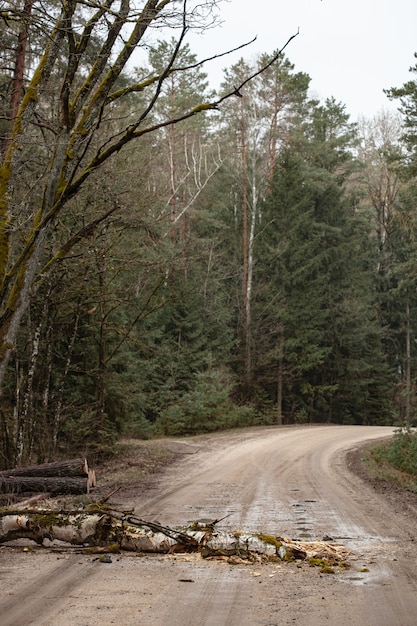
(134, 132)
(86, 231)
(141, 86)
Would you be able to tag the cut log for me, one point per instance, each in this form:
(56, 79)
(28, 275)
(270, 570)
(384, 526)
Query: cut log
(91, 480)
(74, 528)
(51, 484)
(72, 467)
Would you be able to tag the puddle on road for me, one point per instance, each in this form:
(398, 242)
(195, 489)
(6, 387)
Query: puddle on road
(301, 518)
(376, 575)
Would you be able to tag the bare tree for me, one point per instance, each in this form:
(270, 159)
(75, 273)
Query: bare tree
(379, 137)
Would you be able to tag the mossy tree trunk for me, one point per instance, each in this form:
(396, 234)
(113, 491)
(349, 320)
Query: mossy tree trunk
(114, 531)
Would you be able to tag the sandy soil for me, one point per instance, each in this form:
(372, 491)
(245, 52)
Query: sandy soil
(300, 482)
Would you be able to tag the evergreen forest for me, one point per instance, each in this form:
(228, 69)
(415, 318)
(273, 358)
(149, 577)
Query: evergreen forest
(177, 259)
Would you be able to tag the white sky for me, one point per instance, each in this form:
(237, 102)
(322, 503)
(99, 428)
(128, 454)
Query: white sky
(351, 50)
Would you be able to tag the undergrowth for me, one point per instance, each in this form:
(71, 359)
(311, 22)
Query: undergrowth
(396, 460)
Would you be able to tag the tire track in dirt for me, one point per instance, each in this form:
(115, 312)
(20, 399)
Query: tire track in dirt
(39, 596)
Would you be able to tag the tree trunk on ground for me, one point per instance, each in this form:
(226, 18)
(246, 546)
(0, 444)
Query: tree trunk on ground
(52, 484)
(117, 531)
(71, 467)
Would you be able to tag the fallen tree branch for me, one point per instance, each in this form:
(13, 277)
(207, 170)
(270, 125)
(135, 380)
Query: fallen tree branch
(112, 531)
(25, 504)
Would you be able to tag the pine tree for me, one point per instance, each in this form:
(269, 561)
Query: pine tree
(255, 126)
(314, 262)
(407, 96)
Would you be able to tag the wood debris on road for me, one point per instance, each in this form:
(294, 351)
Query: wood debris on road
(99, 528)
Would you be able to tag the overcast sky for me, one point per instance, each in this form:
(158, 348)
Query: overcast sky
(351, 50)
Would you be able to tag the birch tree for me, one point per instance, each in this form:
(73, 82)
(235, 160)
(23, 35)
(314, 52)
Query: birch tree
(186, 156)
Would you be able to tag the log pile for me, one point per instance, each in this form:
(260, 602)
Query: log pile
(57, 478)
(98, 529)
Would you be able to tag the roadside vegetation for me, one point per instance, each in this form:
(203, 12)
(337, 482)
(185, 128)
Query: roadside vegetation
(396, 460)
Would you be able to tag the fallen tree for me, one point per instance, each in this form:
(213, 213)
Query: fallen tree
(108, 530)
(71, 476)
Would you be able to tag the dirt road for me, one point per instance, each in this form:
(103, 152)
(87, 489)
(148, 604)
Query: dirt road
(290, 482)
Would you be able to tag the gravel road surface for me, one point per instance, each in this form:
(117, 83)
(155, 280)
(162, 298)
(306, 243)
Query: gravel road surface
(288, 481)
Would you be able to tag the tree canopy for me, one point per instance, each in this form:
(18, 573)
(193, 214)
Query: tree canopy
(174, 259)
